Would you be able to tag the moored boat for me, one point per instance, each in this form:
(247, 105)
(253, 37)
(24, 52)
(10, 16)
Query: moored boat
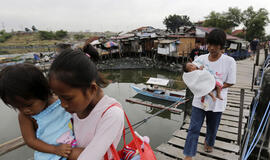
(160, 93)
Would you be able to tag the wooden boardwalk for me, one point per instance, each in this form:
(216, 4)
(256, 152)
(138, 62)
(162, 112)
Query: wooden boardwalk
(226, 142)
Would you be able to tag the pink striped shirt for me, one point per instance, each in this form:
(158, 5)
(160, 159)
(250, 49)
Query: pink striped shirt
(96, 133)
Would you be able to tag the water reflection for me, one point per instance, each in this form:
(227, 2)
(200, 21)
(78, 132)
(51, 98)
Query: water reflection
(142, 75)
(158, 128)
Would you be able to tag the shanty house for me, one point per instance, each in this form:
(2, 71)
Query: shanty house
(168, 47)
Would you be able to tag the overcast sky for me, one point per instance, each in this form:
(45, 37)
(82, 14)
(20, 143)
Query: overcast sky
(109, 15)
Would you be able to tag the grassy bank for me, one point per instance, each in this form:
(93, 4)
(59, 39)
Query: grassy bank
(26, 39)
(32, 39)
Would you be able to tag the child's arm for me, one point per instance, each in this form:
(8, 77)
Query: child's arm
(75, 153)
(29, 136)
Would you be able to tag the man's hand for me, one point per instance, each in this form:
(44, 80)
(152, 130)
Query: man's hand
(63, 150)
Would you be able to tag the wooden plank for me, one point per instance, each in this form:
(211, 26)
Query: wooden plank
(236, 88)
(221, 128)
(237, 102)
(234, 100)
(247, 101)
(238, 105)
(220, 134)
(218, 144)
(223, 122)
(234, 113)
(232, 118)
(235, 109)
(178, 153)
(237, 96)
(216, 152)
(231, 94)
(161, 156)
(228, 129)
(11, 145)
(237, 91)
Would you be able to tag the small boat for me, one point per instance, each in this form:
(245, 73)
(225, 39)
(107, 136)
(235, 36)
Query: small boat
(160, 93)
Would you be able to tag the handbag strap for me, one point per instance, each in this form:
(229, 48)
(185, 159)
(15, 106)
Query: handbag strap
(114, 153)
(113, 150)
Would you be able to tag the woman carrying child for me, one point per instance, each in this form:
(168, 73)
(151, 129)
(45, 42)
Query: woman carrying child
(224, 68)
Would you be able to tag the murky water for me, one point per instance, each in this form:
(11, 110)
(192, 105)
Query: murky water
(158, 128)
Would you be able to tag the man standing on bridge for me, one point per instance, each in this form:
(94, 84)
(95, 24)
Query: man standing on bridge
(224, 68)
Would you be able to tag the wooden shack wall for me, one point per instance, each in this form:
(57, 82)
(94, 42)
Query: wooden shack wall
(186, 45)
(148, 45)
(125, 47)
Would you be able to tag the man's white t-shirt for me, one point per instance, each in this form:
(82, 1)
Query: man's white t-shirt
(224, 70)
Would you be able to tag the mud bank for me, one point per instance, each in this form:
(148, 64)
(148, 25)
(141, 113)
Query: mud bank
(137, 63)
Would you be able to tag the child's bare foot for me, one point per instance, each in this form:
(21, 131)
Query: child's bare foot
(188, 158)
(219, 97)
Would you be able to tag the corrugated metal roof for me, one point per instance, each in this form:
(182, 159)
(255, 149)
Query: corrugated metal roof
(230, 37)
(180, 36)
(166, 41)
(206, 29)
(235, 32)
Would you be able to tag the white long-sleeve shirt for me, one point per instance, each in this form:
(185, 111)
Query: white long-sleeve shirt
(96, 133)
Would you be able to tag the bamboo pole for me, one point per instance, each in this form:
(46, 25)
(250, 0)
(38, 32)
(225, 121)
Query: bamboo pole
(11, 145)
(155, 106)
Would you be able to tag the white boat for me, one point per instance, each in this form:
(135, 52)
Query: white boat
(160, 93)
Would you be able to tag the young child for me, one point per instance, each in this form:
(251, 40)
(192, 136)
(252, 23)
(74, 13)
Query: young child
(76, 81)
(189, 67)
(44, 123)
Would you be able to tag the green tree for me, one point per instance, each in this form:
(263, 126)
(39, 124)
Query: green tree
(234, 16)
(79, 36)
(61, 34)
(4, 36)
(255, 22)
(45, 35)
(173, 22)
(226, 20)
(267, 37)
